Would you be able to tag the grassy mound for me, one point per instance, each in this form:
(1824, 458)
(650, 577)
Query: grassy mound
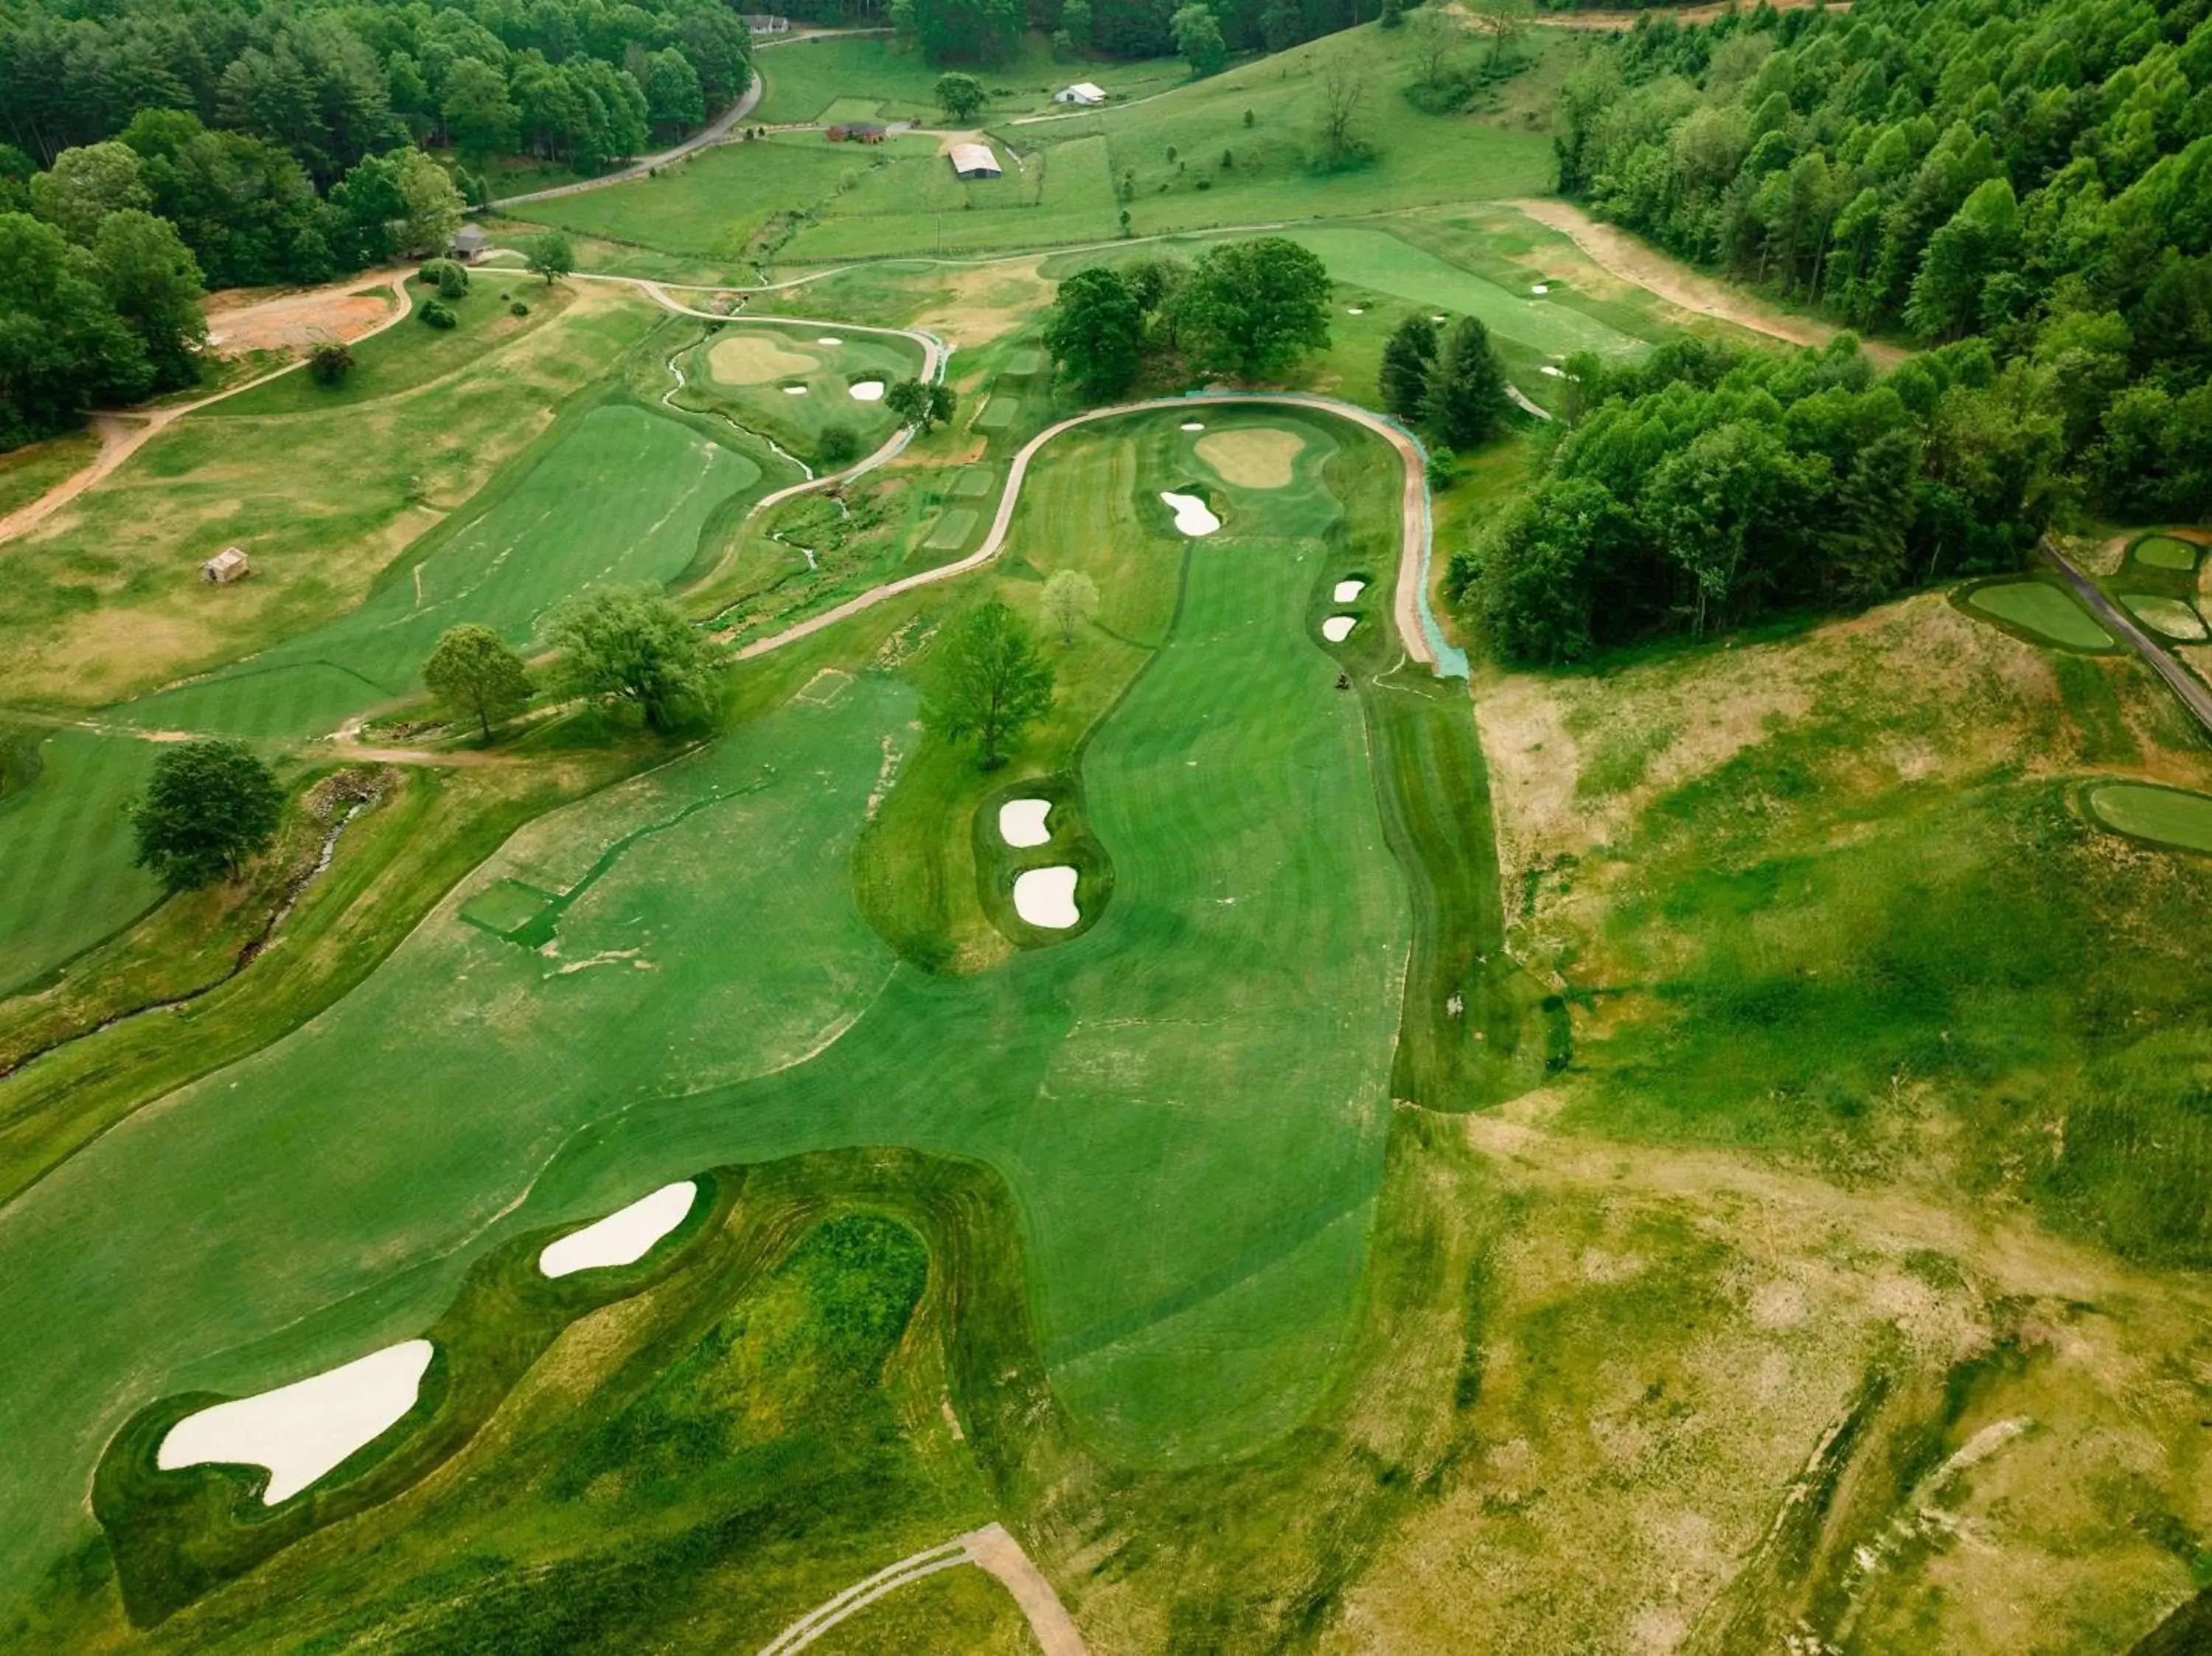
(2166, 816)
(2041, 611)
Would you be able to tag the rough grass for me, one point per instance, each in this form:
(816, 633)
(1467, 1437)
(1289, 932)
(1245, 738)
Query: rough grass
(29, 472)
(869, 79)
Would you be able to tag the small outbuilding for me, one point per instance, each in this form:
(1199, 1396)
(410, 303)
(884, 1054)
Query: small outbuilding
(1083, 92)
(469, 242)
(856, 133)
(226, 566)
(974, 160)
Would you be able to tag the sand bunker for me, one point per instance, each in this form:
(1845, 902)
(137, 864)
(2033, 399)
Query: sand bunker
(1355, 310)
(624, 1236)
(1346, 590)
(754, 360)
(869, 391)
(1021, 821)
(1539, 288)
(1556, 373)
(1194, 425)
(1337, 628)
(1252, 457)
(829, 339)
(794, 390)
(2169, 615)
(1046, 897)
(301, 1431)
(1193, 515)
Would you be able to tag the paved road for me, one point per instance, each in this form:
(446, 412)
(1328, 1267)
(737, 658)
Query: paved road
(1423, 641)
(2178, 679)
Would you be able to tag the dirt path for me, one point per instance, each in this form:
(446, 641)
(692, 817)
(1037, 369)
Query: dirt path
(122, 434)
(1619, 253)
(2178, 679)
(1422, 639)
(990, 1548)
(1614, 22)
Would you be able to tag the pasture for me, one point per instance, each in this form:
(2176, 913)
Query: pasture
(866, 78)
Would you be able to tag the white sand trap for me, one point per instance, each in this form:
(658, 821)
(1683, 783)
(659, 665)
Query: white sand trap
(1540, 288)
(301, 1431)
(1346, 590)
(829, 339)
(1355, 310)
(1337, 628)
(624, 1236)
(1021, 821)
(868, 391)
(1193, 515)
(1046, 897)
(1194, 425)
(752, 359)
(794, 390)
(1556, 373)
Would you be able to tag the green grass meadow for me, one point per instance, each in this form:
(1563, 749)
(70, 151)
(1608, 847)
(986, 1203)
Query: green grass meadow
(65, 843)
(866, 77)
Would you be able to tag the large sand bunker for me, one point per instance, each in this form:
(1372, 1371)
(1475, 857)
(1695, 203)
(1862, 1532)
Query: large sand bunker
(1193, 516)
(624, 1236)
(1021, 821)
(1046, 897)
(868, 391)
(753, 359)
(301, 1431)
(1337, 628)
(1346, 590)
(1252, 457)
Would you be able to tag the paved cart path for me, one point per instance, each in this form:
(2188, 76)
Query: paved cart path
(2178, 679)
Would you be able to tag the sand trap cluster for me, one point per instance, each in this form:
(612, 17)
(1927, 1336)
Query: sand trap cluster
(1046, 897)
(868, 391)
(624, 1236)
(1252, 457)
(1192, 515)
(754, 360)
(301, 1431)
(1021, 821)
(1346, 590)
(1337, 628)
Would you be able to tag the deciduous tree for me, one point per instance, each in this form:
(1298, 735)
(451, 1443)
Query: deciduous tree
(987, 682)
(1253, 308)
(552, 256)
(1096, 332)
(631, 646)
(920, 402)
(1069, 596)
(961, 97)
(207, 806)
(475, 676)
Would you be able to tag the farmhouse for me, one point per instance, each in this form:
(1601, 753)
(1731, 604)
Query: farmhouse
(1083, 92)
(856, 132)
(974, 160)
(226, 566)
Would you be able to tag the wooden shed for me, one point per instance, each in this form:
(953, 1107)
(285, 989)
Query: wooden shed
(226, 566)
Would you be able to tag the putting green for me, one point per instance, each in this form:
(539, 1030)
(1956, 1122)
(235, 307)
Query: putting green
(2041, 609)
(753, 359)
(2164, 552)
(950, 530)
(709, 994)
(744, 373)
(1252, 457)
(2167, 815)
(2168, 616)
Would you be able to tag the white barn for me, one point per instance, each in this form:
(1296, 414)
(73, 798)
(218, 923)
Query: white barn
(974, 160)
(1083, 92)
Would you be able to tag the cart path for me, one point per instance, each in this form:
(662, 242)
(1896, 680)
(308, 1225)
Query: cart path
(122, 435)
(1417, 632)
(992, 1549)
(2115, 620)
(1642, 265)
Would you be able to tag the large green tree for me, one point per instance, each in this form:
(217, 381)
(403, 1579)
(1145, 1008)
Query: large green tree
(987, 682)
(1407, 356)
(62, 348)
(921, 403)
(1096, 332)
(154, 282)
(207, 806)
(961, 96)
(475, 675)
(85, 185)
(1466, 400)
(1198, 37)
(632, 647)
(1253, 308)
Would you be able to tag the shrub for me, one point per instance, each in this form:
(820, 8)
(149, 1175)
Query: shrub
(838, 446)
(439, 314)
(329, 363)
(450, 274)
(518, 309)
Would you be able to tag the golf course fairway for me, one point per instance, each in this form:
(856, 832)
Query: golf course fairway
(1193, 1241)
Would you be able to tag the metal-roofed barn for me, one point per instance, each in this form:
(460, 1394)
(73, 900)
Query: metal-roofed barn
(973, 160)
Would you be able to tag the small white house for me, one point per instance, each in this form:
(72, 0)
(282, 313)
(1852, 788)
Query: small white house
(1083, 92)
(226, 566)
(974, 160)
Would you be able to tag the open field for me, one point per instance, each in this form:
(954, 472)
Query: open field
(866, 78)
(29, 472)
(66, 844)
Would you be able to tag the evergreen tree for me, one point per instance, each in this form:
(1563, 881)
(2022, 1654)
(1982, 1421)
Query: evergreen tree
(1466, 400)
(1408, 357)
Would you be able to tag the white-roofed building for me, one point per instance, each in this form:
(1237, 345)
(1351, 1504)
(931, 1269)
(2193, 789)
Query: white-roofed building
(974, 160)
(1083, 92)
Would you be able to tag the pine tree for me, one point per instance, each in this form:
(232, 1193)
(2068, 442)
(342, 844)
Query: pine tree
(1406, 359)
(1467, 398)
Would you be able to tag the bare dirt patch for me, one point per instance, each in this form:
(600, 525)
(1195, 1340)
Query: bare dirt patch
(260, 319)
(754, 358)
(1252, 457)
(1637, 262)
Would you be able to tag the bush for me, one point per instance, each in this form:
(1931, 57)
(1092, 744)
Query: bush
(518, 309)
(838, 446)
(439, 314)
(450, 277)
(329, 363)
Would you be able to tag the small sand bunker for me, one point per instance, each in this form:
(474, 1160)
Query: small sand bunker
(1355, 310)
(301, 1431)
(1539, 288)
(1556, 373)
(1194, 425)
(1252, 457)
(1346, 590)
(1021, 821)
(624, 1236)
(1337, 628)
(829, 339)
(1046, 897)
(794, 390)
(868, 391)
(1193, 516)
(754, 360)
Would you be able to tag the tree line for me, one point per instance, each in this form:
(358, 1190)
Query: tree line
(2038, 174)
(989, 32)
(1706, 487)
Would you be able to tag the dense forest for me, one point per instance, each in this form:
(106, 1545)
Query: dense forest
(2023, 186)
